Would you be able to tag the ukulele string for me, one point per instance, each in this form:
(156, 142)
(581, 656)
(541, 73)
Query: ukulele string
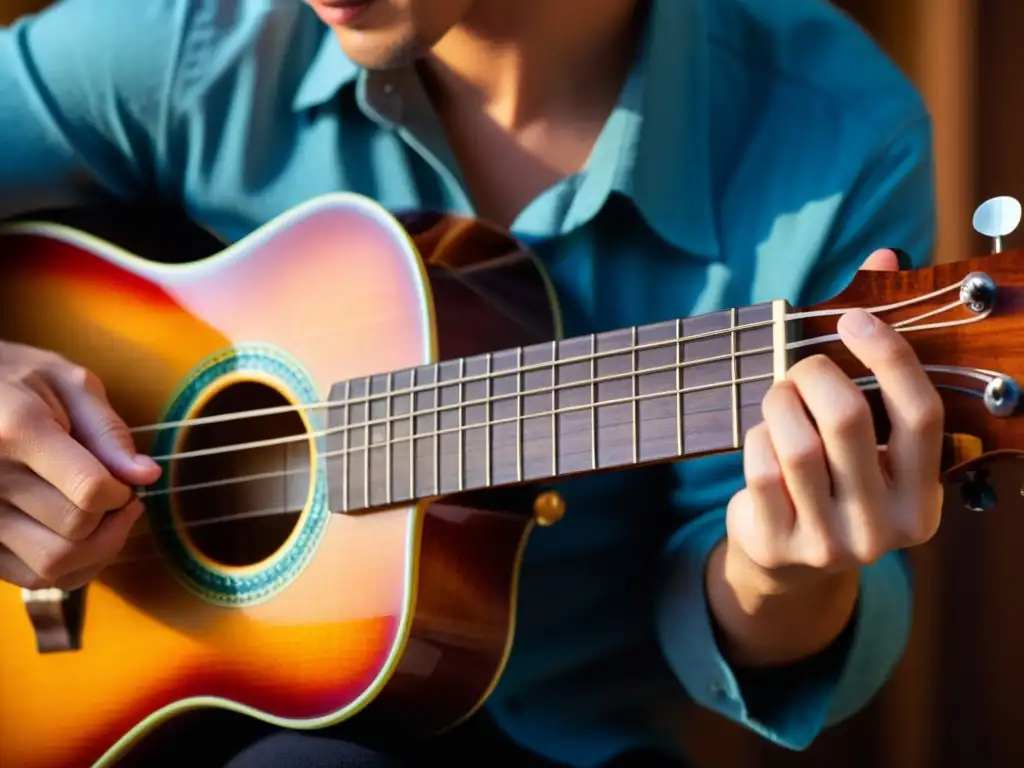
(521, 369)
(344, 430)
(143, 531)
(865, 383)
(460, 380)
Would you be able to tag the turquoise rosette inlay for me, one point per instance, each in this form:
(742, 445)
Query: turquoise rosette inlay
(260, 582)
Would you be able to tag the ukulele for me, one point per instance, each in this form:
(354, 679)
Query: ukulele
(359, 415)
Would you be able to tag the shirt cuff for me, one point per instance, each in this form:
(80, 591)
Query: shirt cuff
(789, 706)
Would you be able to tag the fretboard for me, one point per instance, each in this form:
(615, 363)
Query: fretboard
(624, 398)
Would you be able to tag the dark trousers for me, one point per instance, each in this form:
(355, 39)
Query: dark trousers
(210, 739)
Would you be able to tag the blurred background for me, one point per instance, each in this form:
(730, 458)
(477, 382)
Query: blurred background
(957, 699)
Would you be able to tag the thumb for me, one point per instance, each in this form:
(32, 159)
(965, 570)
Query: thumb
(884, 260)
(96, 426)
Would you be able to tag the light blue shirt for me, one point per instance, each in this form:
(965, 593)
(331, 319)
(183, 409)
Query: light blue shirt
(760, 150)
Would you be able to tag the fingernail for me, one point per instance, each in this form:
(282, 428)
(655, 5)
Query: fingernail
(144, 462)
(857, 322)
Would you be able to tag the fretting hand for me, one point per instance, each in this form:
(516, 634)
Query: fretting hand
(66, 461)
(821, 500)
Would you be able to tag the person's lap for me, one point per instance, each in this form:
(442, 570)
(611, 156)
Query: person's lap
(214, 739)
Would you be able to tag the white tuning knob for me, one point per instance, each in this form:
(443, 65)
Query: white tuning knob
(997, 218)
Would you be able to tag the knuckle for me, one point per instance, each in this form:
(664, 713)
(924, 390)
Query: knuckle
(88, 493)
(76, 524)
(761, 479)
(18, 414)
(921, 527)
(868, 549)
(822, 553)
(802, 456)
(80, 377)
(51, 563)
(848, 417)
(928, 415)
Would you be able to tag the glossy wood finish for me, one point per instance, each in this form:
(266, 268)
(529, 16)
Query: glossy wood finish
(402, 618)
(995, 343)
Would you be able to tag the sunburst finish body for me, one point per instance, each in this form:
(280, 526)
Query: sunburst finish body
(303, 620)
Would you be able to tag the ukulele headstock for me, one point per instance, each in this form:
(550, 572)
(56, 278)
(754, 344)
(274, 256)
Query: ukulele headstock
(965, 321)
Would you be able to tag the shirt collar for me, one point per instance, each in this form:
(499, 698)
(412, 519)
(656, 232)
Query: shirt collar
(662, 148)
(661, 123)
(330, 70)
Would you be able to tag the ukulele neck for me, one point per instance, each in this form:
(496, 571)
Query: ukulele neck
(613, 400)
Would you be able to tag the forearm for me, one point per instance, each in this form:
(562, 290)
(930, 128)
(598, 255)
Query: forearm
(760, 625)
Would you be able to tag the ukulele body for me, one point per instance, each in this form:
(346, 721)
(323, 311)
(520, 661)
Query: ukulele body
(400, 618)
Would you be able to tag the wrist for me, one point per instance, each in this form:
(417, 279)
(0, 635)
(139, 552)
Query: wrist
(758, 583)
(769, 618)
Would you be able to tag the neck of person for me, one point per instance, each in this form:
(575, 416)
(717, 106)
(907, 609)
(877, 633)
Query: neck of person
(536, 63)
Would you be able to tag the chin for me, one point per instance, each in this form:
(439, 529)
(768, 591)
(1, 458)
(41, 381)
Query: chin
(379, 54)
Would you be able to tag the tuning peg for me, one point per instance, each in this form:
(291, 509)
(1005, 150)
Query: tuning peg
(997, 218)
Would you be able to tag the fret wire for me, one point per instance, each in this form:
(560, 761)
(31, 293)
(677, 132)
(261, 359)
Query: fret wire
(554, 409)
(650, 345)
(519, 416)
(488, 412)
(633, 389)
(593, 402)
(460, 421)
(366, 447)
(412, 437)
(601, 379)
(735, 387)
(437, 430)
(346, 461)
(679, 388)
(387, 443)
(617, 401)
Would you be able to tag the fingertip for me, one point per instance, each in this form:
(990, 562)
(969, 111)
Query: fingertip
(857, 323)
(147, 465)
(882, 260)
(140, 470)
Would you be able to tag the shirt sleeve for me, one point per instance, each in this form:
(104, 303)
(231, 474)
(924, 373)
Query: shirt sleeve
(82, 88)
(892, 206)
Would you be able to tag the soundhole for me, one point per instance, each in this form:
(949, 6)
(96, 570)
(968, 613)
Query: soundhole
(240, 506)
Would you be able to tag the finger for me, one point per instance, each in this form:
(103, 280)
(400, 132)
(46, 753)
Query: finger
(40, 385)
(96, 426)
(884, 260)
(67, 465)
(801, 455)
(911, 401)
(15, 572)
(844, 421)
(760, 518)
(766, 484)
(52, 557)
(26, 491)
